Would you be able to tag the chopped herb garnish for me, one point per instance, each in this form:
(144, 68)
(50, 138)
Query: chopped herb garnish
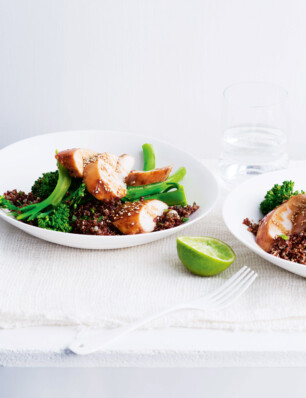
(283, 236)
(185, 219)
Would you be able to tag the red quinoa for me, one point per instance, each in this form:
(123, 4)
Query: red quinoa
(292, 249)
(252, 226)
(95, 218)
(174, 216)
(21, 199)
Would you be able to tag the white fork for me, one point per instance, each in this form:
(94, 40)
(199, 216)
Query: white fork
(88, 341)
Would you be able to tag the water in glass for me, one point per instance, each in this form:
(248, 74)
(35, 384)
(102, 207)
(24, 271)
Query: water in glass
(254, 137)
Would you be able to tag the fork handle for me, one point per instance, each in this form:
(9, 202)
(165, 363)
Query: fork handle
(88, 341)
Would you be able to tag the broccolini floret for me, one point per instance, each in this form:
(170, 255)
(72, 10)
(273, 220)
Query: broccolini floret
(80, 194)
(57, 219)
(278, 195)
(54, 212)
(44, 185)
(7, 204)
(31, 212)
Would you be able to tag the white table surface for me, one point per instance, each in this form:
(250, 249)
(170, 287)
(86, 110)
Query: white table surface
(172, 347)
(46, 346)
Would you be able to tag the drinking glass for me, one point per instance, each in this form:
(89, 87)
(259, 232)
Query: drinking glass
(255, 122)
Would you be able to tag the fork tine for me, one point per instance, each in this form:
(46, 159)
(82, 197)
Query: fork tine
(243, 289)
(232, 291)
(231, 286)
(228, 282)
(238, 290)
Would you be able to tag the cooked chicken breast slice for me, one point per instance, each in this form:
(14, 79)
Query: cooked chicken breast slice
(73, 160)
(299, 224)
(139, 217)
(125, 164)
(137, 177)
(101, 178)
(280, 221)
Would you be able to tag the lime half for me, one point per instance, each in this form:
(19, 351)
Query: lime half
(203, 255)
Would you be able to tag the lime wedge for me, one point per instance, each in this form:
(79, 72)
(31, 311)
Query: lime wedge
(203, 255)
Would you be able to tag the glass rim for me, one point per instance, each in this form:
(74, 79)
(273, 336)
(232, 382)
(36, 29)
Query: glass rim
(256, 82)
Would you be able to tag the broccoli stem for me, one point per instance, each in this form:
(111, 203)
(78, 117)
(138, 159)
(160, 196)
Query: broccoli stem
(32, 211)
(134, 193)
(178, 175)
(171, 198)
(148, 157)
(6, 204)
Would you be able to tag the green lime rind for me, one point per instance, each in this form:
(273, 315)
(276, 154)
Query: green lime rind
(203, 255)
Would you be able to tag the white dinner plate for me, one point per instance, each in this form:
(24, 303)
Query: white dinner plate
(243, 202)
(23, 162)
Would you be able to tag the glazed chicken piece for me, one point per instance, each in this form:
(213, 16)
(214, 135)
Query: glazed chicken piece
(125, 164)
(137, 177)
(138, 217)
(73, 160)
(299, 224)
(285, 219)
(104, 175)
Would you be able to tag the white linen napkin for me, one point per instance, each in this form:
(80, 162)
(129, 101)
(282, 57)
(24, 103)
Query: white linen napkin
(46, 284)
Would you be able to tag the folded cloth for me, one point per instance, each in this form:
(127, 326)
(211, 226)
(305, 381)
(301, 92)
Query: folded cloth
(46, 284)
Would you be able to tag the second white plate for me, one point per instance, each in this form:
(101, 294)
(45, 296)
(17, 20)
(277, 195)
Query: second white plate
(243, 202)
